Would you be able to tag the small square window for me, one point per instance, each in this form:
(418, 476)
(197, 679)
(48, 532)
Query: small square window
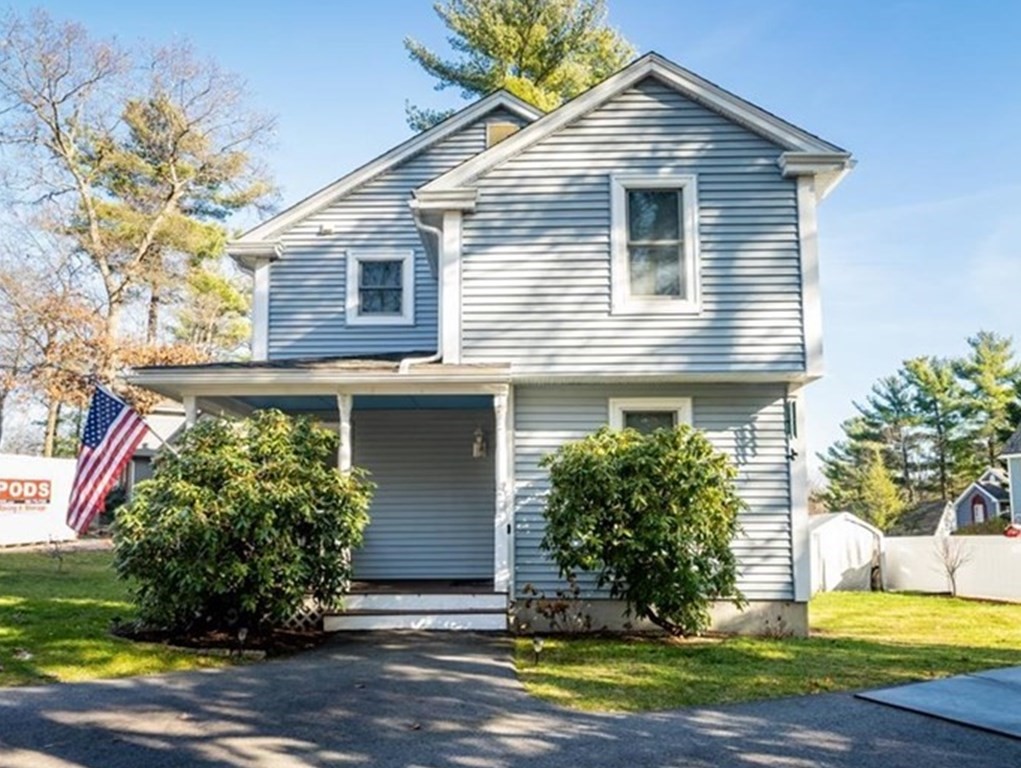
(654, 244)
(380, 287)
(649, 421)
(647, 414)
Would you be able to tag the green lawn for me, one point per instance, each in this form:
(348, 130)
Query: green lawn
(859, 640)
(54, 624)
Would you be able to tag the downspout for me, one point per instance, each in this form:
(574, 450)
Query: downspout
(406, 363)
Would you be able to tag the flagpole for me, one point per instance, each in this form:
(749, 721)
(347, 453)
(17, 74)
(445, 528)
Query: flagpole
(163, 443)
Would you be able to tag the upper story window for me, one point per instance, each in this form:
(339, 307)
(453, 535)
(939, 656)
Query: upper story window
(654, 244)
(647, 414)
(380, 287)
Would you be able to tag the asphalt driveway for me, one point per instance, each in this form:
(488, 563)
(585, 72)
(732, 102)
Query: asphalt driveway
(421, 700)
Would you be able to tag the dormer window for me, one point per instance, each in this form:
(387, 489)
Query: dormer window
(654, 243)
(380, 287)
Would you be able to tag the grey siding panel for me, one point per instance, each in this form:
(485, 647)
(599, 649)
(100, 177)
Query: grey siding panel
(308, 285)
(536, 269)
(747, 422)
(432, 515)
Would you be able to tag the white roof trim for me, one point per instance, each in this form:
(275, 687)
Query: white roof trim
(327, 195)
(756, 119)
(248, 255)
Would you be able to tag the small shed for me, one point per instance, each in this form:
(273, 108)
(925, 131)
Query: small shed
(845, 549)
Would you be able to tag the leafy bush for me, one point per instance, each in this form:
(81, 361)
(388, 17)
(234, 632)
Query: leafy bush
(653, 516)
(993, 527)
(239, 527)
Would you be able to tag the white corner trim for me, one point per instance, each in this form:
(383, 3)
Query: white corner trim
(416, 144)
(622, 300)
(801, 565)
(618, 406)
(450, 292)
(354, 257)
(503, 456)
(685, 82)
(811, 301)
(260, 311)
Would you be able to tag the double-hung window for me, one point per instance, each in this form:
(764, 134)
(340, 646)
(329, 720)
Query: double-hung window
(647, 414)
(380, 287)
(654, 242)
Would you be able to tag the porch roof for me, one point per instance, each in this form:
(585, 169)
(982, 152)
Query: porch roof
(319, 376)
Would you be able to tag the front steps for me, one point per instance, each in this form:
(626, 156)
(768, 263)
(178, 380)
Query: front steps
(479, 612)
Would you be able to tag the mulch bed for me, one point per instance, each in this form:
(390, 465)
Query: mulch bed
(279, 642)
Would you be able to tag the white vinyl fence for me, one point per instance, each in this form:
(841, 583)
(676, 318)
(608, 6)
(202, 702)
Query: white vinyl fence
(990, 567)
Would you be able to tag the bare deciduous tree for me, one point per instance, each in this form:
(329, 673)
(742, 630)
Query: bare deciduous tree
(139, 157)
(953, 554)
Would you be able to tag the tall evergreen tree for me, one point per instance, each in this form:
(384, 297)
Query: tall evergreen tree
(843, 461)
(939, 399)
(990, 375)
(878, 499)
(543, 51)
(890, 414)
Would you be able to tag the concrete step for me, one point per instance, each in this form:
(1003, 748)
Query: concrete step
(477, 621)
(426, 602)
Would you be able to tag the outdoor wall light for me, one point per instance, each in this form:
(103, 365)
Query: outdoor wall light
(479, 447)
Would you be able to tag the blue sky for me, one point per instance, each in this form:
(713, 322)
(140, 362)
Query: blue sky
(919, 246)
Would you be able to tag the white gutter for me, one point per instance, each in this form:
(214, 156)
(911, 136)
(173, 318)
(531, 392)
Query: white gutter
(436, 232)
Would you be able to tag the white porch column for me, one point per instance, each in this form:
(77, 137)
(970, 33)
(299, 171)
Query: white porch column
(190, 410)
(344, 450)
(503, 459)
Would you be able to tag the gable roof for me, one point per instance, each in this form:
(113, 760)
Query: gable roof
(324, 197)
(803, 146)
(1013, 445)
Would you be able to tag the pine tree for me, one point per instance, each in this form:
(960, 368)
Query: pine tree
(543, 51)
(939, 399)
(890, 414)
(878, 499)
(990, 375)
(843, 462)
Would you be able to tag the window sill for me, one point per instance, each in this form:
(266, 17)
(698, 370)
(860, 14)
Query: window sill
(664, 307)
(380, 320)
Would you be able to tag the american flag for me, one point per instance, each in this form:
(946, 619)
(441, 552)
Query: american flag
(112, 432)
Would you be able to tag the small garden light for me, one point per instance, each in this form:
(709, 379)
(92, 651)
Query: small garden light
(537, 647)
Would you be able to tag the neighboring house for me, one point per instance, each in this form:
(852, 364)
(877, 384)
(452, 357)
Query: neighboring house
(985, 499)
(508, 281)
(1012, 455)
(846, 552)
(924, 518)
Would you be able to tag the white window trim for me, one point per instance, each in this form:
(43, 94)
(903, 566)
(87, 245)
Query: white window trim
(623, 301)
(621, 405)
(407, 316)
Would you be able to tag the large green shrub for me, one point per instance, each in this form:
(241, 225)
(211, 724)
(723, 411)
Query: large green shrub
(241, 525)
(653, 516)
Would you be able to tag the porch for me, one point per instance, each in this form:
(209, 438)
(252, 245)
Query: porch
(436, 441)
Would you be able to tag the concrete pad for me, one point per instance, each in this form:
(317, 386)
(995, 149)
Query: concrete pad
(989, 700)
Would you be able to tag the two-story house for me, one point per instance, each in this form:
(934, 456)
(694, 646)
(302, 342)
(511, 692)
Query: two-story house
(507, 281)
